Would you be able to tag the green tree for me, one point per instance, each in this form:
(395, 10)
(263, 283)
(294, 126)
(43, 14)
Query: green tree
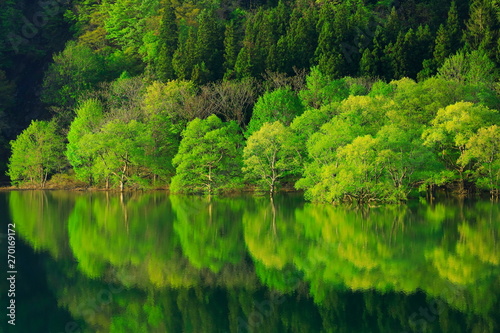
(209, 157)
(36, 153)
(121, 150)
(168, 44)
(482, 27)
(483, 150)
(297, 46)
(209, 46)
(405, 160)
(472, 68)
(75, 71)
(322, 148)
(358, 173)
(448, 36)
(126, 24)
(281, 104)
(322, 90)
(89, 117)
(269, 155)
(305, 125)
(231, 47)
(164, 107)
(450, 131)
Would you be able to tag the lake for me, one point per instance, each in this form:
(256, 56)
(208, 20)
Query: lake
(150, 262)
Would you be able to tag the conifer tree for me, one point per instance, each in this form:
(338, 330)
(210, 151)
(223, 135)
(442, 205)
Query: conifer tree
(209, 45)
(482, 27)
(448, 37)
(169, 36)
(231, 48)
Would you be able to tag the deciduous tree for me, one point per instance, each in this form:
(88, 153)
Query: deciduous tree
(36, 153)
(269, 155)
(209, 157)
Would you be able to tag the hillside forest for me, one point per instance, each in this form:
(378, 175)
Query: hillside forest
(347, 100)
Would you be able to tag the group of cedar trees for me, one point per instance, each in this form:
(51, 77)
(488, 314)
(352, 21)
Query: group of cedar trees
(351, 100)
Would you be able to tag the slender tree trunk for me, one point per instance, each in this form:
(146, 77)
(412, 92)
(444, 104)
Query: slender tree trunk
(273, 222)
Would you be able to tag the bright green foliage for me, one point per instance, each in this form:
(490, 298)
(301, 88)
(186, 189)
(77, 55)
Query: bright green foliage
(162, 105)
(358, 173)
(418, 103)
(322, 147)
(321, 90)
(87, 121)
(451, 130)
(305, 125)
(483, 150)
(281, 104)
(367, 112)
(405, 160)
(382, 88)
(270, 155)
(209, 157)
(170, 100)
(126, 24)
(119, 152)
(341, 152)
(36, 153)
(371, 169)
(474, 68)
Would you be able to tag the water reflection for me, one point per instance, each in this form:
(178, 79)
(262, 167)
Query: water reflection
(154, 263)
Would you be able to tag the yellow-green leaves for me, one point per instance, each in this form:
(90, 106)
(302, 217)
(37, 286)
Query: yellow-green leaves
(269, 155)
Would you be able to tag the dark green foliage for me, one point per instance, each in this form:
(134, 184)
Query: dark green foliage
(448, 36)
(482, 27)
(168, 44)
(231, 47)
(75, 70)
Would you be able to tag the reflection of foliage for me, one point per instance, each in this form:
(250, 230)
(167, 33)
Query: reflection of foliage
(475, 258)
(130, 233)
(209, 230)
(183, 262)
(270, 233)
(43, 225)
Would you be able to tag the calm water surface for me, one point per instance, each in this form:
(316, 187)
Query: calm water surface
(139, 263)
